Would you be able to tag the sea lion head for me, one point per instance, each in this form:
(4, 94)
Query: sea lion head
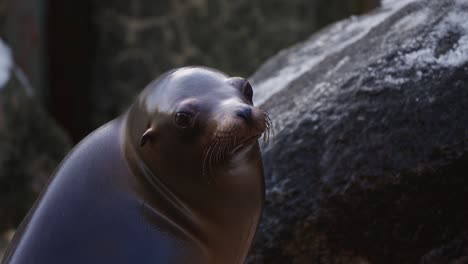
(196, 121)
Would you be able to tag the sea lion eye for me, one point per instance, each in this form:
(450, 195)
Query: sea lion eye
(247, 91)
(183, 119)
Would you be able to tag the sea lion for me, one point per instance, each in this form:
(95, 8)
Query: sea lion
(177, 179)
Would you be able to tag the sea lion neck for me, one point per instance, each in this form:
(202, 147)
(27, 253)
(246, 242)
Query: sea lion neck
(159, 205)
(231, 203)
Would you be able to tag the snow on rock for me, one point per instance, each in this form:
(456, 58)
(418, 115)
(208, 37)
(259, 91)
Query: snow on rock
(386, 3)
(308, 54)
(412, 20)
(6, 63)
(454, 24)
(443, 44)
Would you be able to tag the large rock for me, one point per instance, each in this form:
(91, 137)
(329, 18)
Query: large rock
(369, 159)
(137, 40)
(31, 144)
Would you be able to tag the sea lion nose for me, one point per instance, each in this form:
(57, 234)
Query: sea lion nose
(244, 113)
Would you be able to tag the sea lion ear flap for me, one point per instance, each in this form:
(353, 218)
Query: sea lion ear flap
(149, 134)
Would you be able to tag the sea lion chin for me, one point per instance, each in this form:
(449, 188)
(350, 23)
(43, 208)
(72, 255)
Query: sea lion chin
(178, 178)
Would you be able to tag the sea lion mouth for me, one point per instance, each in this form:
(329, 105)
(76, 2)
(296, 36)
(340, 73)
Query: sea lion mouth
(226, 144)
(222, 150)
(245, 143)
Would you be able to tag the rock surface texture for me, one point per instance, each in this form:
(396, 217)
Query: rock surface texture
(31, 144)
(369, 159)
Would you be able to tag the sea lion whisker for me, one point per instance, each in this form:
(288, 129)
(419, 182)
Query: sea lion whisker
(268, 133)
(226, 147)
(215, 151)
(206, 159)
(204, 162)
(233, 143)
(211, 159)
(219, 154)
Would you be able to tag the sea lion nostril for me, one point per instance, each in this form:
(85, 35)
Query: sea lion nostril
(244, 113)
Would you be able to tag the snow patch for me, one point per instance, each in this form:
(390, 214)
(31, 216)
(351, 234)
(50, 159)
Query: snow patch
(6, 63)
(321, 88)
(452, 24)
(445, 46)
(386, 3)
(338, 65)
(420, 57)
(395, 81)
(412, 20)
(313, 51)
(463, 3)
